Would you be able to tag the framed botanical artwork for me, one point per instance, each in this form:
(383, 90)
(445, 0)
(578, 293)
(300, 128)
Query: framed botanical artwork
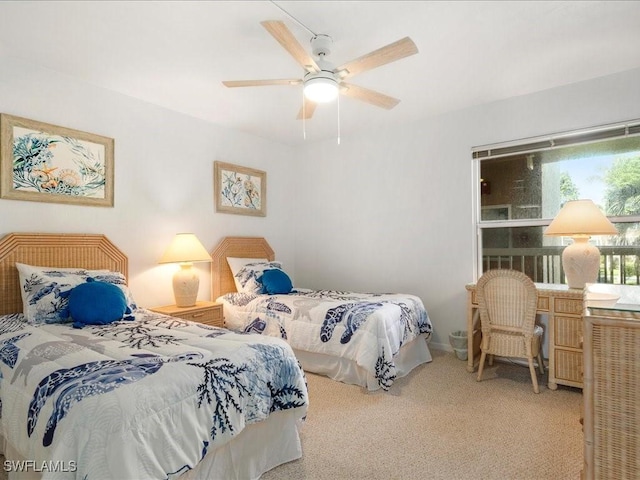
(47, 163)
(240, 190)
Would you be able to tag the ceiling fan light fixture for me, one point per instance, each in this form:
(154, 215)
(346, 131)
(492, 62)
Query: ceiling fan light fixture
(321, 88)
(322, 81)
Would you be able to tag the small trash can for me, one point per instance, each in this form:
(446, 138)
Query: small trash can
(458, 341)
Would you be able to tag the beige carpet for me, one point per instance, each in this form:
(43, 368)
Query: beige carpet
(439, 423)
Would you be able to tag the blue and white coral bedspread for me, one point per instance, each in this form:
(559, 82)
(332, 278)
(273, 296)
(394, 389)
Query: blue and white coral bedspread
(137, 399)
(366, 328)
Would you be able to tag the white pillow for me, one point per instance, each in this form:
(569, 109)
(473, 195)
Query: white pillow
(236, 264)
(45, 290)
(250, 276)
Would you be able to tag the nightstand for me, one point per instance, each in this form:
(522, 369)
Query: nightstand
(209, 313)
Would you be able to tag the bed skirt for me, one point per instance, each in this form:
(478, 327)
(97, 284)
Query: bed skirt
(254, 451)
(410, 356)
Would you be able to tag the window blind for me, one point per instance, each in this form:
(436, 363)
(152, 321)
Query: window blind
(549, 142)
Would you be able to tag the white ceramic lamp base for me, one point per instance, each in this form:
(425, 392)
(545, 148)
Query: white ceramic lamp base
(581, 262)
(185, 286)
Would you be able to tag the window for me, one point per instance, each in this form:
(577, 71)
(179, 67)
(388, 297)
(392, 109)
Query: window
(522, 186)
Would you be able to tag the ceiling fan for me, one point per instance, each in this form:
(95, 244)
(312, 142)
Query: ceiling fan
(322, 80)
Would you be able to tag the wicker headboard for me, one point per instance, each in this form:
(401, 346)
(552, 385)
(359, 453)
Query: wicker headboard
(90, 251)
(240, 247)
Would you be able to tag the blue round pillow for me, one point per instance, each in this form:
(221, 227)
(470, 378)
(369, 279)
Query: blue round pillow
(275, 281)
(96, 303)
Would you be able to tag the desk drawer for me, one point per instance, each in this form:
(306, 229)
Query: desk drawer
(543, 301)
(568, 331)
(568, 306)
(568, 365)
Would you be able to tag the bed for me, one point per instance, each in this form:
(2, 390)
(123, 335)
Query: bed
(363, 339)
(148, 396)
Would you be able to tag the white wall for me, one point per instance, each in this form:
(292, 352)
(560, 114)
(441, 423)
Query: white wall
(163, 177)
(384, 211)
(392, 210)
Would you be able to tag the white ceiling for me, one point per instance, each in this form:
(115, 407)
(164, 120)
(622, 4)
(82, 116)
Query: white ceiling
(176, 54)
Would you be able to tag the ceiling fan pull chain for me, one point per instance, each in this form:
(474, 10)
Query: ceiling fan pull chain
(304, 118)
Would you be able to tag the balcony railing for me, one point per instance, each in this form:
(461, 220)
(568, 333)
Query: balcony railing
(618, 265)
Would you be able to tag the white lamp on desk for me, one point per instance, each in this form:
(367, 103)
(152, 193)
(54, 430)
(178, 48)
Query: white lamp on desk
(580, 219)
(185, 249)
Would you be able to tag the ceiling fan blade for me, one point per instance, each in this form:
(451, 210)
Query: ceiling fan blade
(283, 35)
(369, 96)
(392, 52)
(306, 112)
(261, 83)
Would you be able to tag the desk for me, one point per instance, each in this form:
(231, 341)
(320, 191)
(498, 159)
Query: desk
(564, 307)
(611, 378)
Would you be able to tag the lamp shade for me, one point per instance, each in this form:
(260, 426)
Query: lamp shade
(580, 217)
(185, 247)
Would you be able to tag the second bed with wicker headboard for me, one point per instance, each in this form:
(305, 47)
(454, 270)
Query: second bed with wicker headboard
(357, 338)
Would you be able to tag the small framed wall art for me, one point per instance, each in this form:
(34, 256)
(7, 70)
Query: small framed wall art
(240, 190)
(47, 163)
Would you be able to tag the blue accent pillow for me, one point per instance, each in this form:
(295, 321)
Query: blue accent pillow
(97, 303)
(45, 290)
(275, 281)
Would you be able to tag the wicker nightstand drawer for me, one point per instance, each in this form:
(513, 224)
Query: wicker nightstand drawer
(208, 316)
(209, 313)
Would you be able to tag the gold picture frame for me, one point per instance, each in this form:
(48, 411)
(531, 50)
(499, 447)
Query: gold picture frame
(41, 162)
(240, 190)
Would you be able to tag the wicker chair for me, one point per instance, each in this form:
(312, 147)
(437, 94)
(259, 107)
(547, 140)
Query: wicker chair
(507, 300)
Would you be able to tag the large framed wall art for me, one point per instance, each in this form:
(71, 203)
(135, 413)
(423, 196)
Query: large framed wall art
(240, 190)
(47, 163)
